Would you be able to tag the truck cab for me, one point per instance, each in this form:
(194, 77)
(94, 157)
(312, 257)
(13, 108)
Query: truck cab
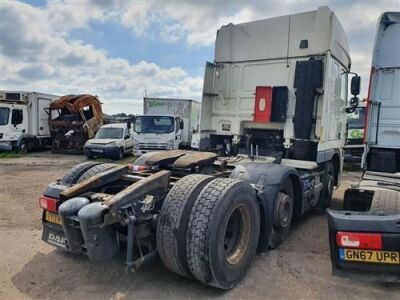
(365, 236)
(24, 120)
(156, 132)
(13, 123)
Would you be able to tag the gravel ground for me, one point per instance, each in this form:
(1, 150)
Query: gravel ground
(29, 268)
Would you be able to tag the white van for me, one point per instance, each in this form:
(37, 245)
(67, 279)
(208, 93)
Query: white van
(112, 140)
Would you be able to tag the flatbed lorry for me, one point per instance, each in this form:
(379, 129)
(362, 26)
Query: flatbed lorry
(365, 236)
(272, 130)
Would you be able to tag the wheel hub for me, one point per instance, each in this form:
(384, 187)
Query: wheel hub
(284, 211)
(237, 235)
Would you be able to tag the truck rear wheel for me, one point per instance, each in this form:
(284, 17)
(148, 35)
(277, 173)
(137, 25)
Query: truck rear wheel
(95, 170)
(328, 182)
(223, 232)
(23, 146)
(283, 214)
(73, 175)
(173, 222)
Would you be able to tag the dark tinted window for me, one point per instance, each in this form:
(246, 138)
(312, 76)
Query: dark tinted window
(4, 115)
(17, 116)
(357, 118)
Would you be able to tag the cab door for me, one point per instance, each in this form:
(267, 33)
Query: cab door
(128, 140)
(19, 120)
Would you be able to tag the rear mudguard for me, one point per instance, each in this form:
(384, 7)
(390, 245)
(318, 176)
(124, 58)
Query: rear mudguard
(387, 225)
(267, 179)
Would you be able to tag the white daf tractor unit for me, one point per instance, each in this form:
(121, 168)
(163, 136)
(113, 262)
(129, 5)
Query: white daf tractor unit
(278, 88)
(274, 109)
(167, 124)
(24, 120)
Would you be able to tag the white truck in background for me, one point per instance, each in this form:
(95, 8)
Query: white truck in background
(167, 124)
(354, 146)
(24, 120)
(365, 236)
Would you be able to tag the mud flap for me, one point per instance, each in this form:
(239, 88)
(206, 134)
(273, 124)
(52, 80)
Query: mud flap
(386, 225)
(101, 242)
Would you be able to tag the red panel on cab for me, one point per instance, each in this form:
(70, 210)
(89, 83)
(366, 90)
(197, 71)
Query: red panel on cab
(262, 104)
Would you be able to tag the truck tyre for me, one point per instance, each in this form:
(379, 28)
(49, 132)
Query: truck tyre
(173, 222)
(223, 232)
(328, 183)
(385, 202)
(283, 214)
(73, 175)
(95, 170)
(23, 146)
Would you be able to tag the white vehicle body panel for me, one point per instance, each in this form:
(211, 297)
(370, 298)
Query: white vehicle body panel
(264, 53)
(383, 127)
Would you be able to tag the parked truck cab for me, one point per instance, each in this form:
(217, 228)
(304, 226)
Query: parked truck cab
(279, 88)
(274, 109)
(156, 132)
(365, 236)
(24, 120)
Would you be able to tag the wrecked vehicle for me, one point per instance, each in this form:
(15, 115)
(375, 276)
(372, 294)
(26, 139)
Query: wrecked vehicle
(74, 119)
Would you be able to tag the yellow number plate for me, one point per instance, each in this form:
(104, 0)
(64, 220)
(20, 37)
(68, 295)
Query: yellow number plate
(370, 256)
(53, 218)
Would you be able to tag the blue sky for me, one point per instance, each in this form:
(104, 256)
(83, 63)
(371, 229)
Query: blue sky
(121, 49)
(119, 41)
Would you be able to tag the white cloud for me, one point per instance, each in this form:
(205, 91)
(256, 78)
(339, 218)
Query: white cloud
(37, 52)
(172, 32)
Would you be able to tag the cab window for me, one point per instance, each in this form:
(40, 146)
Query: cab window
(4, 115)
(16, 116)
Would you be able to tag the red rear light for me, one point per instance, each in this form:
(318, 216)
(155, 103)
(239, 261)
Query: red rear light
(359, 240)
(137, 168)
(47, 203)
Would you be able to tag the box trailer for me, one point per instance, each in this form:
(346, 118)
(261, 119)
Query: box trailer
(274, 110)
(167, 124)
(365, 236)
(24, 118)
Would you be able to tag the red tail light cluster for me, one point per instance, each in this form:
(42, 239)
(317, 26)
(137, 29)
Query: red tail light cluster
(48, 203)
(359, 240)
(137, 168)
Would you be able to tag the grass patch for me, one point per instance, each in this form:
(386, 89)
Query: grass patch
(4, 155)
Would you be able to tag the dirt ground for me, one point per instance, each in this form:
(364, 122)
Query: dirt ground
(29, 268)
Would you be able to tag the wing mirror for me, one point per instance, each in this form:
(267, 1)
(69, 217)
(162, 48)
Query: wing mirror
(355, 85)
